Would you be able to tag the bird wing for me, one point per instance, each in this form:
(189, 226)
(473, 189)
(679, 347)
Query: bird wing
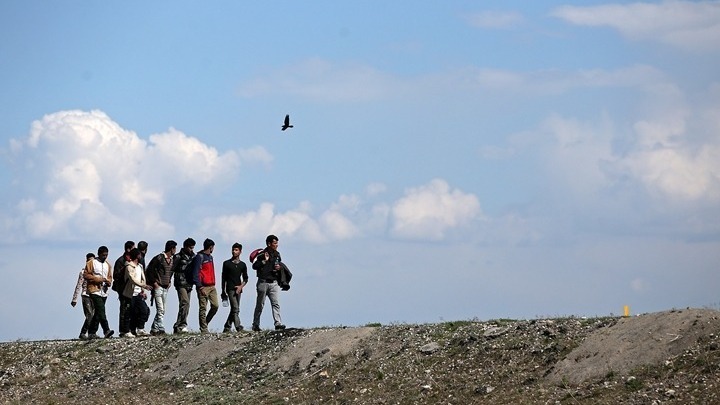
(287, 120)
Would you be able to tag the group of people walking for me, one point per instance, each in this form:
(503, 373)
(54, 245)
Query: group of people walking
(133, 281)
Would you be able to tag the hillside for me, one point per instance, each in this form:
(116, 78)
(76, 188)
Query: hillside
(666, 357)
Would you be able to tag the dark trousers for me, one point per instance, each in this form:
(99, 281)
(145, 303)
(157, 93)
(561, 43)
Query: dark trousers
(183, 308)
(234, 316)
(89, 311)
(125, 304)
(99, 318)
(140, 312)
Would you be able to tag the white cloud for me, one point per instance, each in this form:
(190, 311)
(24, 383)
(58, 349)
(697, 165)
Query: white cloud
(296, 223)
(494, 19)
(428, 211)
(693, 25)
(256, 155)
(80, 171)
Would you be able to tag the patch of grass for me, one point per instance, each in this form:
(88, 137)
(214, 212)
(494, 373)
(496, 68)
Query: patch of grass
(634, 384)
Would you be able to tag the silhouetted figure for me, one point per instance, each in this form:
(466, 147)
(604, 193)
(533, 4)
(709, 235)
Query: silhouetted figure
(286, 124)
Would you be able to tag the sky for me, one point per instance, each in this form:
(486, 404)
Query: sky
(452, 160)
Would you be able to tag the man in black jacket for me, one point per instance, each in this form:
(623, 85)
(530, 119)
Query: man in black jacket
(234, 278)
(183, 286)
(268, 265)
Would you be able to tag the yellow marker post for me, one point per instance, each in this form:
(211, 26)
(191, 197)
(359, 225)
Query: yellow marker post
(626, 310)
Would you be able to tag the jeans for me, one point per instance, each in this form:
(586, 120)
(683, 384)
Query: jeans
(183, 308)
(160, 296)
(140, 312)
(125, 314)
(88, 310)
(271, 290)
(99, 318)
(234, 316)
(205, 294)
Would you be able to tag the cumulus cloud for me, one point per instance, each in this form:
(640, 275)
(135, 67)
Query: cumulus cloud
(494, 19)
(80, 173)
(296, 223)
(692, 25)
(428, 211)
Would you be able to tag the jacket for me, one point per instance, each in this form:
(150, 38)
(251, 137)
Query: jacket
(95, 278)
(180, 262)
(266, 269)
(132, 280)
(203, 270)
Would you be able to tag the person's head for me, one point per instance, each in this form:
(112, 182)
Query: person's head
(134, 254)
(170, 246)
(236, 249)
(272, 242)
(189, 245)
(142, 247)
(102, 253)
(129, 245)
(208, 245)
(89, 256)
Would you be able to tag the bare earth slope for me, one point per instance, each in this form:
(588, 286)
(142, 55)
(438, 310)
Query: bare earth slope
(666, 357)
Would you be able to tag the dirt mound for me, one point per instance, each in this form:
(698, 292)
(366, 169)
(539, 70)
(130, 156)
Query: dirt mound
(643, 340)
(321, 347)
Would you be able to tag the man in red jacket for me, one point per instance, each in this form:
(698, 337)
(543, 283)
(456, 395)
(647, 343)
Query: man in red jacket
(203, 271)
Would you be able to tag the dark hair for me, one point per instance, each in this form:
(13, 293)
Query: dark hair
(129, 245)
(134, 253)
(270, 239)
(89, 256)
(189, 242)
(237, 245)
(142, 246)
(170, 245)
(102, 249)
(208, 243)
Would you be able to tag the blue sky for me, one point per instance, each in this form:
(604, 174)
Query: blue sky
(449, 161)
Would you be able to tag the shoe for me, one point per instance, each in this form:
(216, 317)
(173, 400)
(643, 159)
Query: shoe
(157, 332)
(227, 330)
(240, 328)
(256, 328)
(109, 333)
(279, 326)
(127, 335)
(93, 336)
(83, 336)
(141, 332)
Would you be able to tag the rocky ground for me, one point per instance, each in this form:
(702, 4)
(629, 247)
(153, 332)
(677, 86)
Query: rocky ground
(671, 357)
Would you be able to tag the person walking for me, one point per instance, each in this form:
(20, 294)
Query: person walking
(87, 305)
(118, 285)
(203, 272)
(183, 285)
(268, 264)
(159, 275)
(234, 278)
(134, 290)
(98, 275)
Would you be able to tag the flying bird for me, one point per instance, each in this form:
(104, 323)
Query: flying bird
(286, 124)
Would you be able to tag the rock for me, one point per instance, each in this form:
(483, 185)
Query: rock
(430, 348)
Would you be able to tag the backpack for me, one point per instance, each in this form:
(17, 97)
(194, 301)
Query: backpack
(119, 281)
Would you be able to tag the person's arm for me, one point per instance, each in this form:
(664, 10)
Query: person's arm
(78, 288)
(196, 263)
(89, 274)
